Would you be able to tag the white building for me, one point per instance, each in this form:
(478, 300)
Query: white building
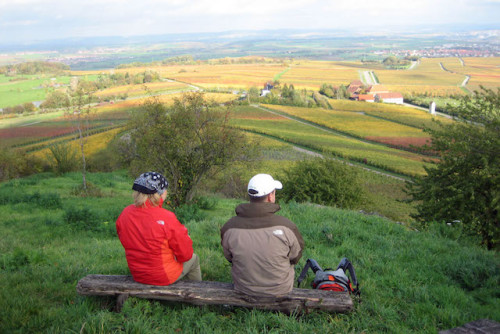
(389, 98)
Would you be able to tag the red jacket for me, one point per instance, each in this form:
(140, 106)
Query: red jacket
(156, 243)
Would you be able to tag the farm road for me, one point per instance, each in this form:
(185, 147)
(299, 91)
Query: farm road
(316, 154)
(368, 78)
(413, 65)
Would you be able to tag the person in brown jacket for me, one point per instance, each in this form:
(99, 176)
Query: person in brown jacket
(261, 246)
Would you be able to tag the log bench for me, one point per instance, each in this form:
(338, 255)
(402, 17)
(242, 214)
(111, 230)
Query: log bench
(213, 293)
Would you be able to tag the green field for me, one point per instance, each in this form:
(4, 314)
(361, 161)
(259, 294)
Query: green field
(31, 89)
(411, 281)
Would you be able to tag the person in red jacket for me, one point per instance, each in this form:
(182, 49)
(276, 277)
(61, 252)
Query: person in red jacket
(157, 246)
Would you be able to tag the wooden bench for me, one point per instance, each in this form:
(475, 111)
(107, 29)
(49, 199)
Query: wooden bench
(213, 293)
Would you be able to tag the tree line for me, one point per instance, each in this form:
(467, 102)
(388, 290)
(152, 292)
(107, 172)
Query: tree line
(34, 67)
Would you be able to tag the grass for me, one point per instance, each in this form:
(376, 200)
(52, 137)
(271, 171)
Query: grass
(411, 281)
(29, 89)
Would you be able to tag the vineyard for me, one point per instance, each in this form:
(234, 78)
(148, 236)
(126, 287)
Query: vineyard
(375, 135)
(303, 135)
(312, 74)
(360, 125)
(142, 89)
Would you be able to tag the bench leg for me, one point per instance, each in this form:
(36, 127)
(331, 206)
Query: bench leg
(120, 300)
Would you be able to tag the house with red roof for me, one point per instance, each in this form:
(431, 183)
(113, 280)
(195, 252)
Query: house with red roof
(389, 98)
(376, 89)
(366, 97)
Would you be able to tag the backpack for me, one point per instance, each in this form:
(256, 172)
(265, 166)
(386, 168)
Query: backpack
(332, 280)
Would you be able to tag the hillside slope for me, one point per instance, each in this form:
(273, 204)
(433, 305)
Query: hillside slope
(411, 281)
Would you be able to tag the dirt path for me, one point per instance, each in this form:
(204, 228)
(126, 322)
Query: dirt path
(368, 78)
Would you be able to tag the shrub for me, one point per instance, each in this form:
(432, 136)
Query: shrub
(65, 158)
(323, 181)
(106, 160)
(205, 202)
(188, 212)
(45, 200)
(90, 191)
(11, 164)
(82, 218)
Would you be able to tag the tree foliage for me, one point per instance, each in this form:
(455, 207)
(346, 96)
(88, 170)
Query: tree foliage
(185, 142)
(35, 67)
(464, 185)
(323, 181)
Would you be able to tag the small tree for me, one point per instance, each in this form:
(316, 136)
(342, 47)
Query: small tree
(80, 111)
(323, 181)
(185, 142)
(464, 185)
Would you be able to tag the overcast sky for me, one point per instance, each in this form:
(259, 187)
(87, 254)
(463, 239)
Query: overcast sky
(29, 20)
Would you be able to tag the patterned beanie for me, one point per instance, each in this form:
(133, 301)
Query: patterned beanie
(150, 183)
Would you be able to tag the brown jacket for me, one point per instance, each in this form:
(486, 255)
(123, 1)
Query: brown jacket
(263, 249)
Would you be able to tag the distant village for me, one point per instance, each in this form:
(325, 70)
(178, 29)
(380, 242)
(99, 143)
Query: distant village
(358, 91)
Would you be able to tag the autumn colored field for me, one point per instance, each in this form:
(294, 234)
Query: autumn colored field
(304, 135)
(397, 113)
(365, 124)
(143, 89)
(312, 74)
(93, 143)
(426, 78)
(36, 132)
(359, 124)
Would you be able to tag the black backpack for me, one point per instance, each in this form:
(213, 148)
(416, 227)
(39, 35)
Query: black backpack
(332, 280)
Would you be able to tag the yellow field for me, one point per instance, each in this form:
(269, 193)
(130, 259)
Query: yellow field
(356, 123)
(427, 72)
(234, 75)
(312, 74)
(402, 114)
(92, 144)
(482, 71)
(142, 89)
(426, 78)
(427, 90)
(166, 99)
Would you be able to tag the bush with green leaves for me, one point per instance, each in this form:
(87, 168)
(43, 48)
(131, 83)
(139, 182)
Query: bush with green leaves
(322, 181)
(64, 158)
(49, 200)
(188, 212)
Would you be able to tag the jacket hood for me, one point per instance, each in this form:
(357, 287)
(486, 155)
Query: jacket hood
(256, 209)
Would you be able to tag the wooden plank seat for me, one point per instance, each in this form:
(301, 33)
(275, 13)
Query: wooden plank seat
(213, 293)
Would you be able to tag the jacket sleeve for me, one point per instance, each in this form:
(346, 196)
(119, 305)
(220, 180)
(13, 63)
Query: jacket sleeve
(225, 247)
(179, 241)
(297, 246)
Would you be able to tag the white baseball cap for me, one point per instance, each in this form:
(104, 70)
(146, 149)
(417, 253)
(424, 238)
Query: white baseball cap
(262, 185)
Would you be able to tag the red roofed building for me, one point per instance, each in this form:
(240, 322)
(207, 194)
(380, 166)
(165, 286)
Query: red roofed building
(375, 89)
(355, 88)
(389, 98)
(366, 97)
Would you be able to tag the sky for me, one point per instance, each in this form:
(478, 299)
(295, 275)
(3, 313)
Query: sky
(23, 21)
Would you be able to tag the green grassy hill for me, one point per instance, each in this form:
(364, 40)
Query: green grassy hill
(411, 281)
